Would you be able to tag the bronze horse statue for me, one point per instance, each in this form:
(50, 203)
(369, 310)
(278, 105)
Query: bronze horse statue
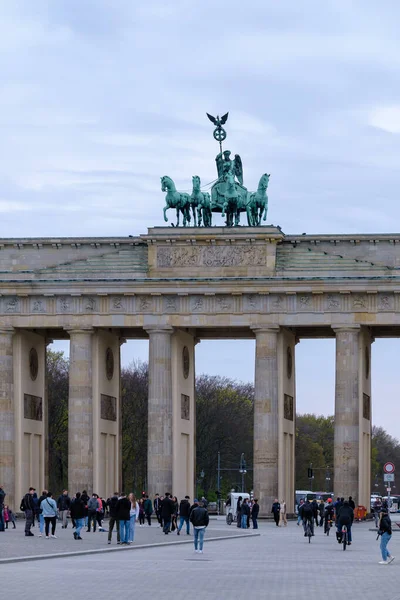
(174, 199)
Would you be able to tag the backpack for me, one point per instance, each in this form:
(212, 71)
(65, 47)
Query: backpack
(22, 505)
(307, 510)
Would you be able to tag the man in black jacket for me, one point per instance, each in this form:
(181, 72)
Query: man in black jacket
(167, 510)
(78, 514)
(122, 514)
(254, 513)
(63, 506)
(184, 513)
(276, 509)
(345, 517)
(199, 519)
(157, 508)
(112, 507)
(29, 507)
(244, 513)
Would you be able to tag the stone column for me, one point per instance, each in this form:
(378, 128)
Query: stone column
(80, 412)
(346, 444)
(7, 416)
(266, 417)
(159, 445)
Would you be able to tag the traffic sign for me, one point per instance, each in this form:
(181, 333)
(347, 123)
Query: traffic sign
(388, 477)
(389, 467)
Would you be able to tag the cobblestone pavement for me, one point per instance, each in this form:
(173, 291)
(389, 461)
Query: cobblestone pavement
(279, 564)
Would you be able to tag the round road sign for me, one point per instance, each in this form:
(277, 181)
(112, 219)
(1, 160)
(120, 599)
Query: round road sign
(389, 467)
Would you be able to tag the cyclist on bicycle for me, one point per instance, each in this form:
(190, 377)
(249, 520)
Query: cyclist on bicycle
(345, 517)
(307, 516)
(328, 514)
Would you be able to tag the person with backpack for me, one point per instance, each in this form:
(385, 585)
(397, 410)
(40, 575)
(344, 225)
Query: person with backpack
(49, 512)
(199, 519)
(78, 514)
(307, 516)
(184, 512)
(385, 531)
(92, 512)
(28, 506)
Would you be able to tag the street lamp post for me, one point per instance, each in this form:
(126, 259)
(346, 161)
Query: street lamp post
(242, 469)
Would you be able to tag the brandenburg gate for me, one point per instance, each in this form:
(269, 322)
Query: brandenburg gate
(175, 286)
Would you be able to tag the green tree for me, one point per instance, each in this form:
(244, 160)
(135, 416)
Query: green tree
(134, 402)
(224, 423)
(57, 374)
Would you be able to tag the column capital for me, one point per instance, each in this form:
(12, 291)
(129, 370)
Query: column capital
(78, 330)
(351, 328)
(265, 328)
(166, 329)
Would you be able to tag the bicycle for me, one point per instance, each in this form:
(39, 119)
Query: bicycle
(328, 525)
(344, 537)
(308, 531)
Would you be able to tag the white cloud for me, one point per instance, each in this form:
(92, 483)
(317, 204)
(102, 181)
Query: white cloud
(386, 118)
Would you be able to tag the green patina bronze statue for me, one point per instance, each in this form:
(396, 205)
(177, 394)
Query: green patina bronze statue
(228, 194)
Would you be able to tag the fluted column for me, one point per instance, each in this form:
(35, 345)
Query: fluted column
(347, 418)
(159, 448)
(80, 412)
(266, 417)
(7, 415)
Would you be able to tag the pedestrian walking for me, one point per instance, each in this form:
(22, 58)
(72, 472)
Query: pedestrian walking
(49, 512)
(41, 517)
(385, 531)
(78, 514)
(100, 510)
(141, 512)
(352, 503)
(276, 508)
(167, 510)
(157, 508)
(184, 512)
(148, 509)
(112, 507)
(199, 519)
(299, 519)
(133, 517)
(255, 509)
(85, 500)
(122, 514)
(28, 506)
(63, 505)
(9, 516)
(282, 514)
(244, 513)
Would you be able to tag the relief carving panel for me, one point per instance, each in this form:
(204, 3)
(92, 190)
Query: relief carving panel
(211, 256)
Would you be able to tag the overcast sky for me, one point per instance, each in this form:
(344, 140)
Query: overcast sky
(99, 98)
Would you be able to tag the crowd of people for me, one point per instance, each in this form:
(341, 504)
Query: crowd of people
(342, 513)
(124, 511)
(247, 509)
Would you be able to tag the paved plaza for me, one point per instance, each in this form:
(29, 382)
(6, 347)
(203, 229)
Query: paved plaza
(279, 563)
